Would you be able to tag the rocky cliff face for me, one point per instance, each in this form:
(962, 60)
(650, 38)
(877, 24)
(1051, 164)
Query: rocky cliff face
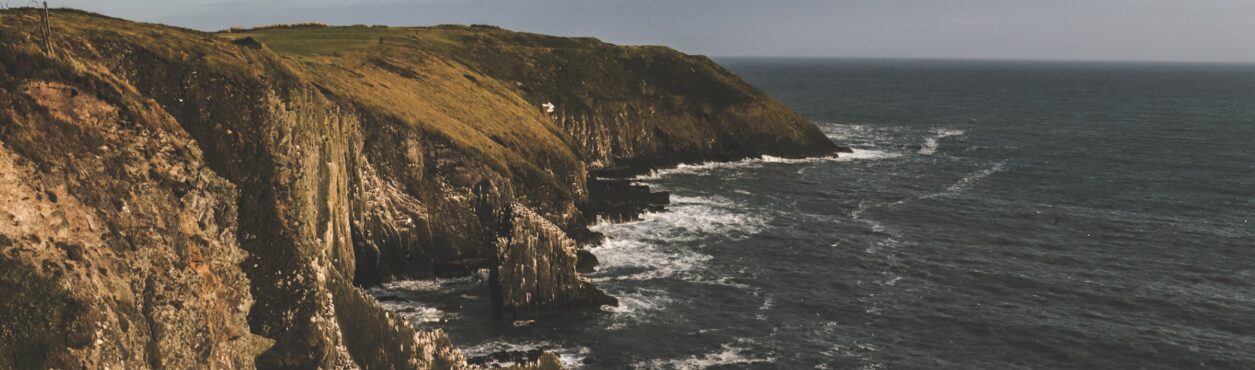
(175, 198)
(632, 107)
(541, 259)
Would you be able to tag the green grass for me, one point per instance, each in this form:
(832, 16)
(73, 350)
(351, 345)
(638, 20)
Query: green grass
(320, 41)
(406, 75)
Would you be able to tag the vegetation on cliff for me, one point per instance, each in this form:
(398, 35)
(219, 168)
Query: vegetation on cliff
(618, 106)
(176, 198)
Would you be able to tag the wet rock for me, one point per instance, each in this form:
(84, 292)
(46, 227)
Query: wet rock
(585, 261)
(536, 272)
(617, 200)
(507, 358)
(183, 200)
(390, 298)
(461, 267)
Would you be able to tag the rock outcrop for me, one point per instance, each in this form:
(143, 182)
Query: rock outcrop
(634, 107)
(536, 269)
(180, 199)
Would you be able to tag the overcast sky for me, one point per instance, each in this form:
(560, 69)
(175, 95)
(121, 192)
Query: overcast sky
(1140, 30)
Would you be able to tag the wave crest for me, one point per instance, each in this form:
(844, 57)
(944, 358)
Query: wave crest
(649, 248)
(931, 144)
(728, 354)
(706, 168)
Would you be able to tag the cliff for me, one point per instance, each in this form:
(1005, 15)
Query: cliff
(175, 198)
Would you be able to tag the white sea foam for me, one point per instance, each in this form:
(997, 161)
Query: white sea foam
(762, 309)
(767, 303)
(417, 314)
(636, 306)
(429, 285)
(648, 249)
(728, 354)
(866, 154)
(876, 226)
(858, 135)
(959, 186)
(721, 281)
(699, 168)
(930, 143)
(571, 357)
(706, 168)
(407, 290)
(648, 260)
(967, 182)
(857, 215)
(891, 239)
(655, 248)
(861, 351)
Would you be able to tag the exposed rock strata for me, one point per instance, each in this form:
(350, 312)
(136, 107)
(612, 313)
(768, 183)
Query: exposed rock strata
(617, 200)
(637, 107)
(90, 186)
(536, 272)
(179, 199)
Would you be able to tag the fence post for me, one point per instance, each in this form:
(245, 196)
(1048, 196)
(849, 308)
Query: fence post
(47, 31)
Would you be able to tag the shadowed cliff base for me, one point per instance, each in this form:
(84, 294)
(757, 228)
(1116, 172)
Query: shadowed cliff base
(219, 198)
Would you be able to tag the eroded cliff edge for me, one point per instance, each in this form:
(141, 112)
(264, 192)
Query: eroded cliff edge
(174, 198)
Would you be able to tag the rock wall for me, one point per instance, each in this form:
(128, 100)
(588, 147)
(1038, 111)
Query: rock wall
(636, 107)
(117, 243)
(179, 199)
(536, 273)
(200, 194)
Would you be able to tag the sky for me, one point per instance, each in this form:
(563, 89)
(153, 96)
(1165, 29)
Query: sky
(1101, 30)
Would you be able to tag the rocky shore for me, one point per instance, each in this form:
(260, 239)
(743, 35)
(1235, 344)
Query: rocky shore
(183, 199)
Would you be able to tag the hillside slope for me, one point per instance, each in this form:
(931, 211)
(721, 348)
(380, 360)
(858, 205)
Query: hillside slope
(174, 198)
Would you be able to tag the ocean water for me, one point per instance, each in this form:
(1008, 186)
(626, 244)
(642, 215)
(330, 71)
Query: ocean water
(993, 215)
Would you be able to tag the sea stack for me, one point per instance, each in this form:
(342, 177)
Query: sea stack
(183, 199)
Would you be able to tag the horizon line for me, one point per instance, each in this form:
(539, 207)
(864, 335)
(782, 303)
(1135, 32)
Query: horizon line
(983, 59)
(1012, 59)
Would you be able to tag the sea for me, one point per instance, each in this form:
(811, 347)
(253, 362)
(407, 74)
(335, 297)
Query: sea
(993, 215)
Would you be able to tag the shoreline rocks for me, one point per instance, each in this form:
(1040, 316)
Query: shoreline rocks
(222, 198)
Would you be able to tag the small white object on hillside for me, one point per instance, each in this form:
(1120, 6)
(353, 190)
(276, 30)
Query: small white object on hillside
(548, 107)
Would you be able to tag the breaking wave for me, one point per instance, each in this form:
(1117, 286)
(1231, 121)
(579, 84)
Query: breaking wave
(930, 143)
(959, 186)
(571, 357)
(636, 306)
(706, 168)
(728, 354)
(429, 285)
(416, 313)
(406, 297)
(858, 135)
(649, 249)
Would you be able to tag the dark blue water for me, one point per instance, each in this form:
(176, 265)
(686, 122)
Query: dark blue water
(994, 215)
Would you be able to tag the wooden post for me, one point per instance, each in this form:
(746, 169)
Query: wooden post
(47, 31)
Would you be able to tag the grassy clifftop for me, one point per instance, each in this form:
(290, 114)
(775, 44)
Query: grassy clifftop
(191, 198)
(636, 106)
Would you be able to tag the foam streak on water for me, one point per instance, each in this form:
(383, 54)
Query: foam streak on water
(958, 186)
(991, 216)
(930, 143)
(707, 168)
(570, 356)
(727, 354)
(647, 249)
